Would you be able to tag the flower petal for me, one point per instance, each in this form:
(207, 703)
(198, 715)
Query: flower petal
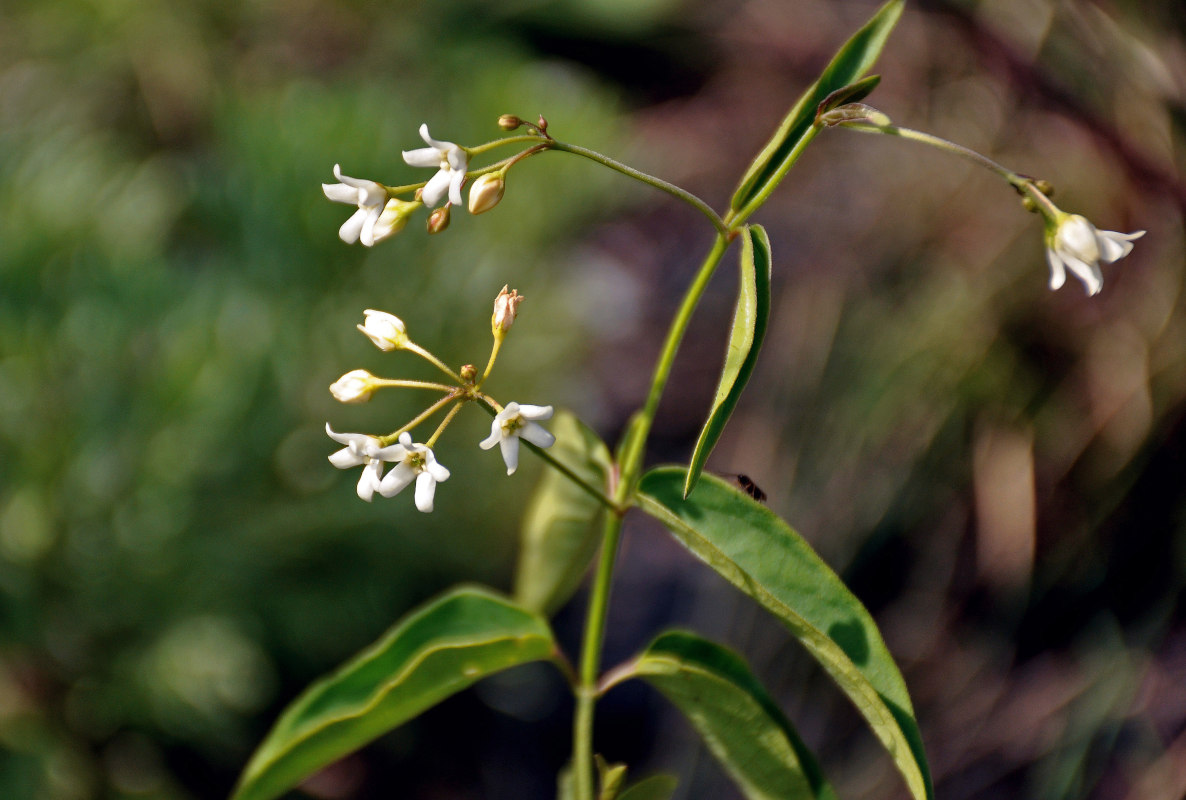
(367, 234)
(535, 412)
(340, 193)
(494, 438)
(1115, 246)
(1093, 279)
(510, 453)
(456, 179)
(426, 487)
(537, 434)
(422, 157)
(437, 470)
(1058, 273)
(369, 481)
(435, 189)
(396, 480)
(350, 229)
(346, 458)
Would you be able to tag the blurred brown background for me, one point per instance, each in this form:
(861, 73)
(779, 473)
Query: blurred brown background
(997, 470)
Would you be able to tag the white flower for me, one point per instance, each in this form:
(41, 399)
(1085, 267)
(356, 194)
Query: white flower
(418, 463)
(387, 331)
(511, 423)
(1079, 246)
(451, 162)
(370, 197)
(353, 387)
(366, 451)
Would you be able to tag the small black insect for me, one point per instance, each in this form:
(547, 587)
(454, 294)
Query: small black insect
(752, 489)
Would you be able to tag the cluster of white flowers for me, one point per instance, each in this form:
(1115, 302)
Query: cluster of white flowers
(380, 216)
(413, 462)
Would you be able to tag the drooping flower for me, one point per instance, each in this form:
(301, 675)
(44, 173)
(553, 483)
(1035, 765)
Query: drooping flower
(355, 386)
(1074, 243)
(367, 452)
(517, 421)
(451, 162)
(387, 331)
(417, 463)
(371, 199)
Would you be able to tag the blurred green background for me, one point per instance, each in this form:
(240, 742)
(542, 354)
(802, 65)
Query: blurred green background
(999, 471)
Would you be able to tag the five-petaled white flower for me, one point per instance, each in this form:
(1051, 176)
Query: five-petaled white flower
(365, 451)
(451, 162)
(371, 199)
(1074, 243)
(415, 462)
(511, 423)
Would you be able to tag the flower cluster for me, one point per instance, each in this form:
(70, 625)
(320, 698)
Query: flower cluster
(414, 461)
(380, 214)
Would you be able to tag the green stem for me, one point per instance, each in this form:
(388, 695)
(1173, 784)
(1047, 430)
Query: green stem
(402, 384)
(587, 690)
(675, 335)
(482, 148)
(651, 180)
(1015, 180)
(591, 659)
(393, 437)
(420, 351)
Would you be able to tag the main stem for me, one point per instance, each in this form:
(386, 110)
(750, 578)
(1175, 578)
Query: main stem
(599, 601)
(591, 658)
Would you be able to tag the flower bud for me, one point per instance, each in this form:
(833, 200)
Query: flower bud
(438, 220)
(469, 373)
(387, 331)
(353, 387)
(506, 308)
(486, 192)
(1045, 187)
(509, 122)
(393, 219)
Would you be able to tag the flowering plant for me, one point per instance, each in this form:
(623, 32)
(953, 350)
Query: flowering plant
(470, 633)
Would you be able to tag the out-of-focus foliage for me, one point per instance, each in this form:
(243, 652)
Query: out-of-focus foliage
(995, 468)
(176, 554)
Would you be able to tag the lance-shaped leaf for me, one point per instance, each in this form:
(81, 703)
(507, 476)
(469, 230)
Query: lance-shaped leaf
(852, 61)
(559, 535)
(438, 650)
(745, 340)
(655, 787)
(739, 721)
(759, 553)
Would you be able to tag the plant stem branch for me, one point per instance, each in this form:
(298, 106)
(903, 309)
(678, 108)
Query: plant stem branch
(651, 180)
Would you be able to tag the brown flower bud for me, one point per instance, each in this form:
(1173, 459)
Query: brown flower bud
(438, 220)
(506, 308)
(509, 122)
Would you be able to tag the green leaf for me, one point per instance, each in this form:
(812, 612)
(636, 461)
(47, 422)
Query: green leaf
(749, 327)
(739, 721)
(655, 787)
(853, 93)
(438, 650)
(759, 553)
(559, 536)
(852, 61)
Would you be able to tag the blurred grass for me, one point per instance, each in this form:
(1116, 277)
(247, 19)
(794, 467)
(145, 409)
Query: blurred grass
(997, 469)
